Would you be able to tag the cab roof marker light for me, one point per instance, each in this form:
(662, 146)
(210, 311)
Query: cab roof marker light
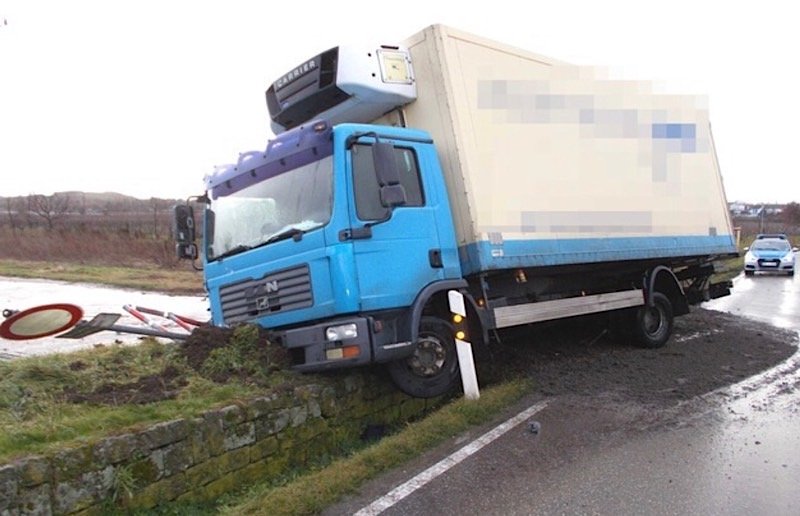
(289, 150)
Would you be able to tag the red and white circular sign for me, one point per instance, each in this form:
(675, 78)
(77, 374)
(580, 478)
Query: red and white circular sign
(40, 321)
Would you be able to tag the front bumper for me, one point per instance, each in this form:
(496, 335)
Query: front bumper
(764, 265)
(377, 340)
(312, 351)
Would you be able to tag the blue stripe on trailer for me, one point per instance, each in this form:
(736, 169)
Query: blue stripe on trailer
(483, 255)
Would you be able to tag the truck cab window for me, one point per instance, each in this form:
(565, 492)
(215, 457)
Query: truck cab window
(365, 182)
(301, 198)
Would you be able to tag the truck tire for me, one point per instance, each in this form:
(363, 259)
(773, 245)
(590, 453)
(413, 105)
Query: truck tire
(653, 324)
(432, 370)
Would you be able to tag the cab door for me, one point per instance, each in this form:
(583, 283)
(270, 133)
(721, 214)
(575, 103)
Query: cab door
(396, 250)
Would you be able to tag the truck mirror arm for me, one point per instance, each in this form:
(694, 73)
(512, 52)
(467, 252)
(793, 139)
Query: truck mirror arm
(353, 138)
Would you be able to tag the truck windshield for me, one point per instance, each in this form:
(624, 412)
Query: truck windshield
(288, 204)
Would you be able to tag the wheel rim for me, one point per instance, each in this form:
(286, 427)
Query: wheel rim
(429, 356)
(653, 320)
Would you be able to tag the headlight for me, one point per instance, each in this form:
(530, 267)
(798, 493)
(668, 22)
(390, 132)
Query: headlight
(343, 332)
(750, 258)
(789, 258)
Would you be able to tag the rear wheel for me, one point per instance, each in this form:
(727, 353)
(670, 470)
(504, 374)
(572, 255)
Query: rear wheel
(653, 324)
(432, 370)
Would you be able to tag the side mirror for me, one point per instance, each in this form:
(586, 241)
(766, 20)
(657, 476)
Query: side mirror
(391, 191)
(185, 248)
(186, 251)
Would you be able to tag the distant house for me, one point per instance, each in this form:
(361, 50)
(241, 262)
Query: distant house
(741, 209)
(737, 208)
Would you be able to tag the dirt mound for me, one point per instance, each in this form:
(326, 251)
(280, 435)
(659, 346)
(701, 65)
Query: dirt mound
(163, 386)
(244, 352)
(203, 340)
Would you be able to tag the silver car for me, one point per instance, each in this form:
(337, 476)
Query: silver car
(769, 254)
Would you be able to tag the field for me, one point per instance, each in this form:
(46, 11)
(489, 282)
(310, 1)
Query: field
(101, 238)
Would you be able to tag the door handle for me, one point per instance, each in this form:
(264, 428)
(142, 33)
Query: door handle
(361, 233)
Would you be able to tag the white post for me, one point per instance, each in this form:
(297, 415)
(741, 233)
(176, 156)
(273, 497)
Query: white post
(469, 379)
(466, 362)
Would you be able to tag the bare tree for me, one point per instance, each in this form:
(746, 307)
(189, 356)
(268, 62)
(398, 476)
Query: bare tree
(15, 210)
(791, 213)
(48, 207)
(12, 214)
(157, 205)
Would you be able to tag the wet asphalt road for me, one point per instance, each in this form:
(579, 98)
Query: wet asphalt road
(735, 450)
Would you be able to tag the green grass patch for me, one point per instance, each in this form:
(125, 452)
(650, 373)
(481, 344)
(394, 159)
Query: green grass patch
(55, 401)
(140, 278)
(316, 490)
(49, 401)
(727, 269)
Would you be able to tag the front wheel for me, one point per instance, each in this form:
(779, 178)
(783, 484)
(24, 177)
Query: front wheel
(432, 370)
(653, 324)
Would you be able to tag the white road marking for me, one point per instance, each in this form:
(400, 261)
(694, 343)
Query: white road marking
(403, 490)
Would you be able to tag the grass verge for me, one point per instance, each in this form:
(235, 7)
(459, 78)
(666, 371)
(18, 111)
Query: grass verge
(728, 269)
(316, 490)
(55, 400)
(143, 278)
(50, 402)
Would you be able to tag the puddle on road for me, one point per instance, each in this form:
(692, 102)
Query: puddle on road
(758, 450)
(777, 388)
(21, 294)
(774, 300)
(769, 298)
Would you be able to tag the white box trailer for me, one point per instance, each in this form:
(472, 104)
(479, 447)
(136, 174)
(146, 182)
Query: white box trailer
(548, 164)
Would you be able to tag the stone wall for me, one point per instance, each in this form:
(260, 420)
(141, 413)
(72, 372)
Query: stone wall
(201, 458)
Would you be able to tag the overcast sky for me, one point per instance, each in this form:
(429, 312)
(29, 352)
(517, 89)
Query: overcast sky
(145, 97)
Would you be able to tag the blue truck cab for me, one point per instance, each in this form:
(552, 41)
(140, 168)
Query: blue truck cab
(301, 239)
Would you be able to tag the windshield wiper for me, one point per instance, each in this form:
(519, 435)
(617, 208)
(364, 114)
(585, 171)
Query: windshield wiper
(234, 250)
(295, 233)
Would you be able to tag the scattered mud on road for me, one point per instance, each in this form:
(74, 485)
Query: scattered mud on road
(708, 350)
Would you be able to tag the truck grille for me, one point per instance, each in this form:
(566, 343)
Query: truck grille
(281, 291)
